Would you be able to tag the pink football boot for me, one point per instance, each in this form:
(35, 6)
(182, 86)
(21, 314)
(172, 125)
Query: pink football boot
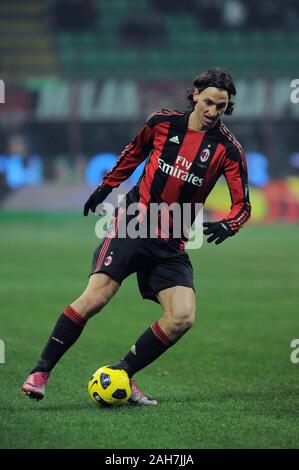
(35, 385)
(137, 396)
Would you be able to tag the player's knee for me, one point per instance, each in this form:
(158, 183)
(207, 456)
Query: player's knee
(182, 319)
(181, 325)
(98, 301)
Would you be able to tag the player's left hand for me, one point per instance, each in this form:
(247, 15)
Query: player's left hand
(219, 231)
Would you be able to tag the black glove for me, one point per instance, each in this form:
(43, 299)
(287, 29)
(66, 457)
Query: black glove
(219, 231)
(97, 197)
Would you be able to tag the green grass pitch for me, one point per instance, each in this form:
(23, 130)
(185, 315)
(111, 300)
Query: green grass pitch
(229, 383)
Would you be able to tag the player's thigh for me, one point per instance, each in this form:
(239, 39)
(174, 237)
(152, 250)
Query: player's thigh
(178, 303)
(102, 282)
(101, 288)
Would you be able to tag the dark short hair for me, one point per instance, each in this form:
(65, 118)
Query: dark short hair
(215, 77)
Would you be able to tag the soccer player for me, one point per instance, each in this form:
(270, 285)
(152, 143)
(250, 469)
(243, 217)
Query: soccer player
(185, 153)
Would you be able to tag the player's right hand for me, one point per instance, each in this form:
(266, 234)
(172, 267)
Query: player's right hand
(97, 197)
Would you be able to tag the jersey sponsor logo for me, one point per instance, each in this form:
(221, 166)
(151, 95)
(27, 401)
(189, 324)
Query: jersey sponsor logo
(177, 171)
(175, 139)
(204, 155)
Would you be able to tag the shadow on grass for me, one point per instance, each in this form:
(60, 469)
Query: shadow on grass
(40, 408)
(65, 408)
(278, 399)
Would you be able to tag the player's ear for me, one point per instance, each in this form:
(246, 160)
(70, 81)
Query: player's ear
(195, 95)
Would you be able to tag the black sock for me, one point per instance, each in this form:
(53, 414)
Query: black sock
(149, 346)
(67, 330)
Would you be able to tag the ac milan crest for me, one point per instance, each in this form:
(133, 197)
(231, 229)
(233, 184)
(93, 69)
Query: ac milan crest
(108, 260)
(204, 155)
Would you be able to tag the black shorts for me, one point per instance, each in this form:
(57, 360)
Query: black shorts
(158, 264)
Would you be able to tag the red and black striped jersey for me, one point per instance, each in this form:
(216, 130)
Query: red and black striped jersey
(183, 164)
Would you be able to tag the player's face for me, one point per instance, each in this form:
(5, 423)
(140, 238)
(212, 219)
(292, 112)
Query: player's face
(210, 104)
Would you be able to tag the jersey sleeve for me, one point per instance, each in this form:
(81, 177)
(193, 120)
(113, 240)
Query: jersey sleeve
(235, 172)
(133, 154)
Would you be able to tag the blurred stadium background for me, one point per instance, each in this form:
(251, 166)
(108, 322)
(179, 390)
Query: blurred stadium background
(82, 75)
(80, 78)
